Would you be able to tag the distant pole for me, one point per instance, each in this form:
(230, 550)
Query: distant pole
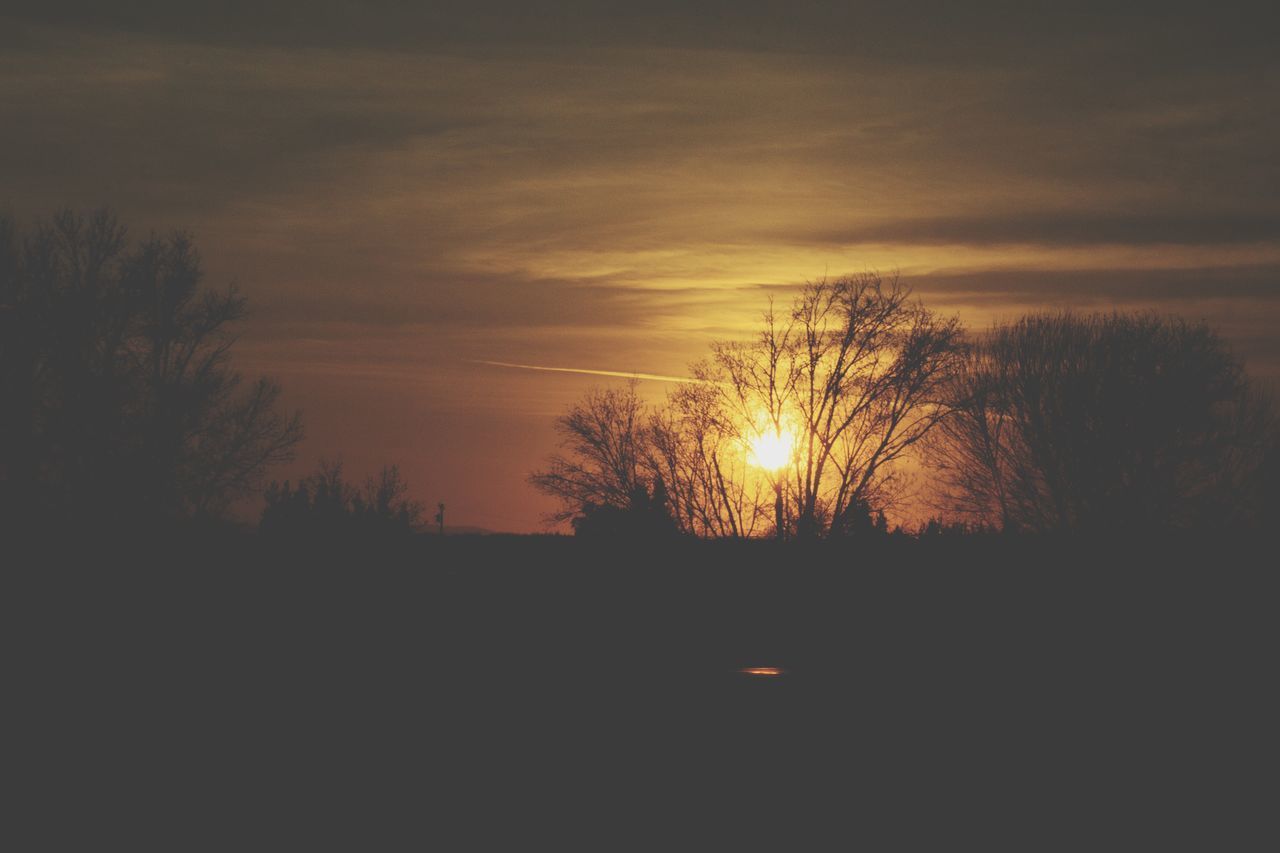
(440, 518)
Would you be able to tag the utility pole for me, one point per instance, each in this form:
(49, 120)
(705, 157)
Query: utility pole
(440, 517)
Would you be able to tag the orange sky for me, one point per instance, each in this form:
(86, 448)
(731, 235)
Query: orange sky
(408, 196)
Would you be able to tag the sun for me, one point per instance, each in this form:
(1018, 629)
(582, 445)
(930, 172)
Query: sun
(772, 449)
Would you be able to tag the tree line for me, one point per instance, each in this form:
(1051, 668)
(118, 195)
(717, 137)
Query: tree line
(1097, 423)
(121, 409)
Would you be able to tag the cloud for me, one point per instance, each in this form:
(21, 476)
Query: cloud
(615, 374)
(930, 31)
(1065, 228)
(1258, 284)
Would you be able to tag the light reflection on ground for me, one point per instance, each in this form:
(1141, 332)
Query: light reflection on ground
(762, 671)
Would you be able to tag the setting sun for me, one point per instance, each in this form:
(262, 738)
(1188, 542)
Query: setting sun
(772, 450)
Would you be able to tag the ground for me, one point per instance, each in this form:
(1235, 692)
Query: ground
(1060, 685)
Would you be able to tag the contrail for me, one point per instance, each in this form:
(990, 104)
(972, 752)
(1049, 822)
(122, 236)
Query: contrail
(656, 377)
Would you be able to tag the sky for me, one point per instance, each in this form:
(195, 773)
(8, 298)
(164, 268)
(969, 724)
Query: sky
(424, 200)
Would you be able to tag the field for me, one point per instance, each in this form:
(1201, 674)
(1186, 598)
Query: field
(1018, 686)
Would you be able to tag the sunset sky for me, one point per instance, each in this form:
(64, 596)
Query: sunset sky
(420, 197)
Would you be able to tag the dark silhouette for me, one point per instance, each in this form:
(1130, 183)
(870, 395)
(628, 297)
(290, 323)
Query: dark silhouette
(325, 506)
(119, 402)
(860, 520)
(850, 372)
(935, 526)
(853, 370)
(851, 377)
(1103, 423)
(1111, 424)
(646, 516)
(603, 467)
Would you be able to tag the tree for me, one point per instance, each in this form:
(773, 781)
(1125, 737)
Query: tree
(605, 478)
(646, 516)
(602, 463)
(1101, 423)
(323, 505)
(696, 448)
(120, 403)
(852, 373)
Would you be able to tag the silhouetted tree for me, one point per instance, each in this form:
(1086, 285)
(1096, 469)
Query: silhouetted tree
(1101, 423)
(602, 464)
(606, 479)
(697, 447)
(324, 505)
(854, 371)
(119, 401)
(935, 526)
(646, 517)
(860, 520)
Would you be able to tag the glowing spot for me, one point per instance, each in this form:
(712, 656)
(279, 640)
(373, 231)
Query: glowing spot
(772, 450)
(765, 671)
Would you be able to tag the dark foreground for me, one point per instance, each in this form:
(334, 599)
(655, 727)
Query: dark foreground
(242, 693)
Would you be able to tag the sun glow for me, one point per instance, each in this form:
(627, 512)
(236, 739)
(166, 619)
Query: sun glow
(772, 449)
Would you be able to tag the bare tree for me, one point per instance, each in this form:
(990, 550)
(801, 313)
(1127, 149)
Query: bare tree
(696, 448)
(1100, 422)
(604, 448)
(325, 505)
(120, 399)
(853, 374)
(386, 496)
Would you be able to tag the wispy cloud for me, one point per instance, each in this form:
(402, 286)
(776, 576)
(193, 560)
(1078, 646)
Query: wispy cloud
(620, 374)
